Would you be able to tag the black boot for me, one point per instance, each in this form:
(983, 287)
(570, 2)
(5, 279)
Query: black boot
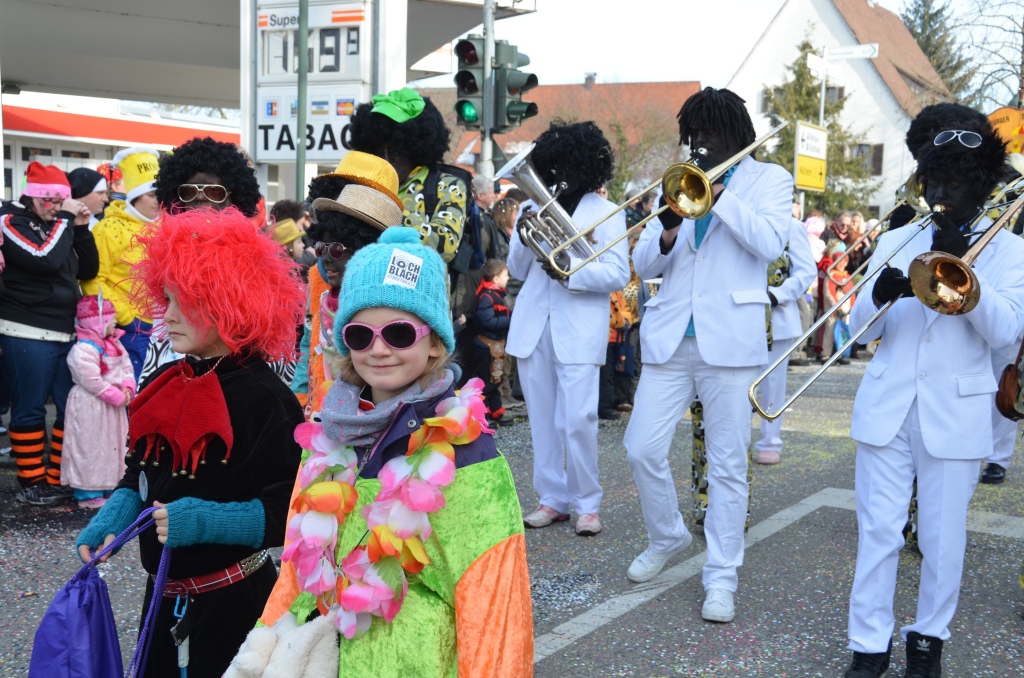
(867, 665)
(923, 656)
(993, 474)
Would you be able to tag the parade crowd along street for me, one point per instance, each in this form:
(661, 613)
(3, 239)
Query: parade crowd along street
(327, 376)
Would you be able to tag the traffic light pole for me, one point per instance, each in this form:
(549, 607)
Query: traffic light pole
(300, 127)
(486, 165)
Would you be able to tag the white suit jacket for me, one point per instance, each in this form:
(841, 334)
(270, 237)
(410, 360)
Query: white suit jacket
(578, 316)
(945, 362)
(802, 272)
(722, 284)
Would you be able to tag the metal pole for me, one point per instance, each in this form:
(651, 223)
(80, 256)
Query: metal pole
(824, 79)
(300, 132)
(375, 54)
(486, 167)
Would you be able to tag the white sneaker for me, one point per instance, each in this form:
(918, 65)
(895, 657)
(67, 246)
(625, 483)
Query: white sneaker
(718, 606)
(648, 564)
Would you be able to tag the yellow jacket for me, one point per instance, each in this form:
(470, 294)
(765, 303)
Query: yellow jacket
(118, 249)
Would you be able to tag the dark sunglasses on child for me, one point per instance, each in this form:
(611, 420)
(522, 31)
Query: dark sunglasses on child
(333, 250)
(398, 334)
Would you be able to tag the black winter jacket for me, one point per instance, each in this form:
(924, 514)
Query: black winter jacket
(44, 262)
(492, 315)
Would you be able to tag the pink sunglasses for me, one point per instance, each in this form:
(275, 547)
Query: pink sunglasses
(398, 334)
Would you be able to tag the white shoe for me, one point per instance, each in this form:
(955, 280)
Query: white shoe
(648, 564)
(718, 606)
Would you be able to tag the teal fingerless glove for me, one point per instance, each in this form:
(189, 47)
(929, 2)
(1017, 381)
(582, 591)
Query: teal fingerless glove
(193, 521)
(120, 511)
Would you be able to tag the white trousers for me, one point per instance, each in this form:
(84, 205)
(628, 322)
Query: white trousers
(772, 394)
(562, 403)
(1004, 431)
(885, 477)
(663, 394)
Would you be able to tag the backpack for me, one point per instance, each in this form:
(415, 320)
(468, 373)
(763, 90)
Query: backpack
(460, 263)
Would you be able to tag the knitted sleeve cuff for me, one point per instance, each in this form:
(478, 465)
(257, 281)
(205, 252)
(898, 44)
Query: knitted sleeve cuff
(120, 511)
(196, 521)
(113, 396)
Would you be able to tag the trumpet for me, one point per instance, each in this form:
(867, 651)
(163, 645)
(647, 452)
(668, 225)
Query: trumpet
(688, 193)
(944, 283)
(910, 193)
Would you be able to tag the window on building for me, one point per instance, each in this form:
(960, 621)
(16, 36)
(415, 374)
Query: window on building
(834, 94)
(8, 183)
(870, 154)
(7, 151)
(74, 154)
(28, 152)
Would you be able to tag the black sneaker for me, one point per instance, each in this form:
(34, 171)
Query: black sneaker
(34, 496)
(923, 656)
(60, 492)
(865, 665)
(609, 414)
(993, 474)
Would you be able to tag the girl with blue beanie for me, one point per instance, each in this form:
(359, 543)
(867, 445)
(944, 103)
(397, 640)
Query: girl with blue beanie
(407, 539)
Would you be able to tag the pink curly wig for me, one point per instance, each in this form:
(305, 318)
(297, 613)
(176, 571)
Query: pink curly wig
(226, 274)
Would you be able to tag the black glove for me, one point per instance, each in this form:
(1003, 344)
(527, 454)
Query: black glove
(668, 218)
(890, 286)
(948, 238)
(775, 302)
(563, 261)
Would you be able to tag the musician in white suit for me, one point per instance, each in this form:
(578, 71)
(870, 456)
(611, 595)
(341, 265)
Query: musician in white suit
(705, 333)
(925, 405)
(786, 328)
(559, 333)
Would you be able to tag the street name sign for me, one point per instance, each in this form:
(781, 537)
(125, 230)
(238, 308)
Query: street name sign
(853, 52)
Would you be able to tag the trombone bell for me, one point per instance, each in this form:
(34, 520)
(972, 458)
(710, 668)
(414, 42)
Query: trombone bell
(944, 284)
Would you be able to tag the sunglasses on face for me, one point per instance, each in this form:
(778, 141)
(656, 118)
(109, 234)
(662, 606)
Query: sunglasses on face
(333, 250)
(398, 334)
(966, 138)
(208, 192)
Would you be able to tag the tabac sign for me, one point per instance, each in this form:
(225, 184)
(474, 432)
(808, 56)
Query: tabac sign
(337, 80)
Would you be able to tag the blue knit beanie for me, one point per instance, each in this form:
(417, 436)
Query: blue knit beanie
(397, 272)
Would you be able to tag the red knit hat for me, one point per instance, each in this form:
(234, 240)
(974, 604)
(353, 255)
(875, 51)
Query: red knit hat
(46, 181)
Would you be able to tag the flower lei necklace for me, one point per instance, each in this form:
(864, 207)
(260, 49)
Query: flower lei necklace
(370, 581)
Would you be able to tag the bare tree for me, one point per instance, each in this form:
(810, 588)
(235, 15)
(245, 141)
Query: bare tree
(995, 38)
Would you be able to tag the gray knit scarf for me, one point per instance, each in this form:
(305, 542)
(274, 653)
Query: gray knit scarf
(345, 422)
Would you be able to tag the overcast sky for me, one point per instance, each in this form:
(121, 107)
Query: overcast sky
(638, 40)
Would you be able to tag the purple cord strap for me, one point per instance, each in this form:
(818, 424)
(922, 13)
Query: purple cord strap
(141, 524)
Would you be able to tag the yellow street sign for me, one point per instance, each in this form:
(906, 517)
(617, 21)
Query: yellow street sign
(811, 144)
(1009, 125)
(810, 173)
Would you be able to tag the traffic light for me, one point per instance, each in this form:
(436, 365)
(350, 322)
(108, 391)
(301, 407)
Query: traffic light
(469, 82)
(509, 86)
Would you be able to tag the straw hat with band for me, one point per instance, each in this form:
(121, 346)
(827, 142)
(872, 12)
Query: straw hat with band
(364, 203)
(369, 170)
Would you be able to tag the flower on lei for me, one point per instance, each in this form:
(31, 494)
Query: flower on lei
(312, 537)
(375, 588)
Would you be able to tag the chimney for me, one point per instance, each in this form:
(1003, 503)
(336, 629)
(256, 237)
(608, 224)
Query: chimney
(588, 80)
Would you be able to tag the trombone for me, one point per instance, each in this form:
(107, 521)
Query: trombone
(912, 193)
(687, 190)
(944, 283)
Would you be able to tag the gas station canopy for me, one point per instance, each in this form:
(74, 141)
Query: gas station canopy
(184, 52)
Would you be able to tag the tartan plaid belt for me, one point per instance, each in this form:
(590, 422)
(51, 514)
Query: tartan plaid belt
(216, 580)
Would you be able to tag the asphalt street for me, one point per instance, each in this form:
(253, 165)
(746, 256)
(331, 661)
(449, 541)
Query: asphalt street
(590, 621)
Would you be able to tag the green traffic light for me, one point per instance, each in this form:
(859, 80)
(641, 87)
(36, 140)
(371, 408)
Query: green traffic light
(467, 112)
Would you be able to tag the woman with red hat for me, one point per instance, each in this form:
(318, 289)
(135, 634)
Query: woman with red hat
(48, 248)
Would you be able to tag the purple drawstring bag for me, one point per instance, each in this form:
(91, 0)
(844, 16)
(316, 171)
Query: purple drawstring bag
(77, 637)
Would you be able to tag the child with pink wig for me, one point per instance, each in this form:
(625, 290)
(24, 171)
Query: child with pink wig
(95, 420)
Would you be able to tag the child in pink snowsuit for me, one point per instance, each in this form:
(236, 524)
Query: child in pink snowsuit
(95, 420)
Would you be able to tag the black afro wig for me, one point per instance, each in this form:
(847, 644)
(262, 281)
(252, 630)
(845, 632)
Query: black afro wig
(577, 153)
(214, 157)
(983, 166)
(326, 186)
(935, 118)
(344, 228)
(422, 141)
(719, 110)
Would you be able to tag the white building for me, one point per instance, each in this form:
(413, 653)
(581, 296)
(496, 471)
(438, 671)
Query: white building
(885, 93)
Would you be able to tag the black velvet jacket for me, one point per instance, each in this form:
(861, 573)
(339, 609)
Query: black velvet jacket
(264, 462)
